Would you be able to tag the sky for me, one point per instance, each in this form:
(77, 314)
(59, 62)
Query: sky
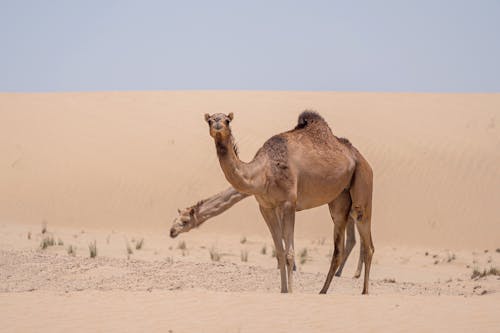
(393, 46)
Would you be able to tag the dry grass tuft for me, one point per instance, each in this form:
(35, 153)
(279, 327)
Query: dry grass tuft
(263, 251)
(129, 248)
(29, 234)
(214, 254)
(44, 227)
(244, 255)
(60, 242)
(303, 256)
(47, 241)
(139, 244)
(451, 257)
(71, 250)
(182, 245)
(93, 249)
(243, 240)
(477, 274)
(389, 280)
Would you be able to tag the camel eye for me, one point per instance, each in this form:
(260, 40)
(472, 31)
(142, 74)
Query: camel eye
(210, 122)
(227, 121)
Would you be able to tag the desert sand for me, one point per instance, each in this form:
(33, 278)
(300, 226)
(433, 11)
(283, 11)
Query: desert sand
(113, 167)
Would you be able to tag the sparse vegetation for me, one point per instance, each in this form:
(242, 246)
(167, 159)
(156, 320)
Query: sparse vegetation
(263, 250)
(476, 274)
(60, 242)
(244, 255)
(214, 254)
(139, 244)
(129, 249)
(93, 249)
(182, 245)
(44, 227)
(303, 256)
(451, 257)
(243, 240)
(71, 249)
(29, 234)
(47, 241)
(169, 260)
(389, 280)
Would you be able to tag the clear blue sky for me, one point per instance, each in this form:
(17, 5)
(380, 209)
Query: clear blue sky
(421, 45)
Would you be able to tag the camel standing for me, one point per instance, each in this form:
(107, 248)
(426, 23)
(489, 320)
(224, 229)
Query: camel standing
(301, 169)
(195, 215)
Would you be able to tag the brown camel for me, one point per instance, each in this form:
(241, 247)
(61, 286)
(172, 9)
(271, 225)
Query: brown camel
(300, 169)
(195, 215)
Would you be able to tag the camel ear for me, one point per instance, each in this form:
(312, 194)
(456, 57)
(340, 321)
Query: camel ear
(230, 115)
(207, 116)
(179, 211)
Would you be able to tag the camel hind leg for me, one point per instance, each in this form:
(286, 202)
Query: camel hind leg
(361, 212)
(339, 209)
(349, 244)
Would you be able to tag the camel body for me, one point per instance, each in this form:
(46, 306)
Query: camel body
(301, 169)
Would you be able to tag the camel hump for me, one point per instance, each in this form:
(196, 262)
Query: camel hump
(309, 117)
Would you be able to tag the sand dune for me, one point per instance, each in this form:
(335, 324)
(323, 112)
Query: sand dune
(113, 168)
(128, 160)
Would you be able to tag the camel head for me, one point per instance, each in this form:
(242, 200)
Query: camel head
(184, 222)
(218, 124)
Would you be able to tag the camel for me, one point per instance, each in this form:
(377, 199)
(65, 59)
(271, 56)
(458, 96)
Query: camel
(303, 168)
(193, 216)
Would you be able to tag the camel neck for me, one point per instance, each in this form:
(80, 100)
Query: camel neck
(218, 204)
(239, 174)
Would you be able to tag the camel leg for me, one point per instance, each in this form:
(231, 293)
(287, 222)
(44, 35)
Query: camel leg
(360, 260)
(349, 244)
(288, 225)
(274, 227)
(339, 209)
(361, 212)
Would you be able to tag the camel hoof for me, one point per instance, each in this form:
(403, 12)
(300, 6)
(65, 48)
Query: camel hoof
(356, 276)
(322, 292)
(338, 274)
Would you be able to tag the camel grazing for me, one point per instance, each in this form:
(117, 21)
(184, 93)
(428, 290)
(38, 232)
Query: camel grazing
(195, 215)
(300, 169)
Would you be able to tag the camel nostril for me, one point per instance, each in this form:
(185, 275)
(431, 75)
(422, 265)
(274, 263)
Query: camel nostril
(172, 233)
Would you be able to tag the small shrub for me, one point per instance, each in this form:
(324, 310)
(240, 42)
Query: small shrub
(60, 242)
(71, 249)
(139, 244)
(244, 255)
(93, 249)
(29, 234)
(182, 245)
(389, 280)
(263, 251)
(214, 254)
(243, 240)
(46, 242)
(451, 257)
(44, 227)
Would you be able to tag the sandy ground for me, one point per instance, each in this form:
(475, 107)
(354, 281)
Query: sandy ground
(113, 168)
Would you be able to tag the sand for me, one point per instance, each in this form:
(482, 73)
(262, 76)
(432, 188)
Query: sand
(113, 167)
